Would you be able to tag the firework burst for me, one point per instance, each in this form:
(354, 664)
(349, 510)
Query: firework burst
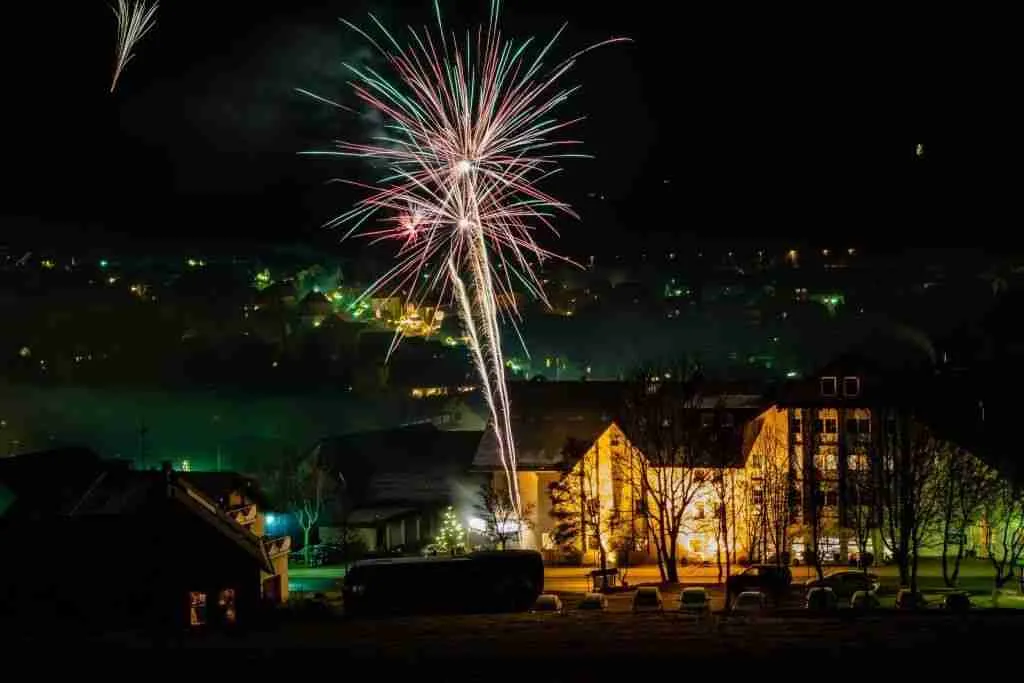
(134, 21)
(470, 133)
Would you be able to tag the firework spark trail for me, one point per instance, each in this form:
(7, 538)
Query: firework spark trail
(134, 21)
(469, 135)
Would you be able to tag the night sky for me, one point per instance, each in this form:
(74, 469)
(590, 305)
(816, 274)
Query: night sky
(716, 125)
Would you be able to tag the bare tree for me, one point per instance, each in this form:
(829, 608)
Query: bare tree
(908, 491)
(727, 490)
(501, 521)
(1004, 537)
(583, 519)
(814, 506)
(964, 484)
(668, 444)
(305, 486)
(861, 499)
(772, 494)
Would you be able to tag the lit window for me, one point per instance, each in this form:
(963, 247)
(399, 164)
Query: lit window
(197, 608)
(851, 387)
(226, 602)
(828, 386)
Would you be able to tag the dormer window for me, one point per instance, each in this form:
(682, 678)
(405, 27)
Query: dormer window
(829, 387)
(851, 387)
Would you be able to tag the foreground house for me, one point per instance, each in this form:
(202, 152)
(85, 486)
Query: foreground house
(113, 547)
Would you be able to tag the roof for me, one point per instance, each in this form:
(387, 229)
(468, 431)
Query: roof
(132, 494)
(371, 516)
(73, 484)
(41, 484)
(545, 416)
(413, 464)
(220, 485)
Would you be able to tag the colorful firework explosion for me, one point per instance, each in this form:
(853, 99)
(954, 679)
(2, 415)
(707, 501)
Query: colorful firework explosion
(470, 134)
(134, 21)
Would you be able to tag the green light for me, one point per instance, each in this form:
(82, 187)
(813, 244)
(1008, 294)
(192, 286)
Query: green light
(791, 374)
(186, 465)
(104, 263)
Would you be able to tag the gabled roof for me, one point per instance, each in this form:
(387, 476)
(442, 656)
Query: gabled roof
(547, 415)
(74, 484)
(414, 464)
(132, 494)
(220, 485)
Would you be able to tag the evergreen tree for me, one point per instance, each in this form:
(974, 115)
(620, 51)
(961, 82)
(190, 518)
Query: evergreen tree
(451, 538)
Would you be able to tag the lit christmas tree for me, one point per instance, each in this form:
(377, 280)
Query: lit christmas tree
(451, 538)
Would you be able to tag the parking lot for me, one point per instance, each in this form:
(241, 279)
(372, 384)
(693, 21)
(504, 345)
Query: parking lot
(573, 582)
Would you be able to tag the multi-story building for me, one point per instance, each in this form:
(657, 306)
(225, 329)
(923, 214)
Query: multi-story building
(798, 468)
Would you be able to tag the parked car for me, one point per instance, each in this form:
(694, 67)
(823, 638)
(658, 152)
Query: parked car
(821, 599)
(957, 602)
(594, 601)
(647, 599)
(769, 579)
(864, 600)
(750, 602)
(695, 602)
(907, 599)
(845, 583)
(547, 603)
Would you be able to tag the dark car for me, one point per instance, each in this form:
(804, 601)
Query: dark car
(845, 584)
(765, 578)
(957, 603)
(489, 581)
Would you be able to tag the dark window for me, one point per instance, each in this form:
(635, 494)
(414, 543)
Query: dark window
(831, 498)
(818, 426)
(757, 497)
(829, 386)
(707, 419)
(830, 425)
(728, 420)
(851, 386)
(863, 425)
(795, 426)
